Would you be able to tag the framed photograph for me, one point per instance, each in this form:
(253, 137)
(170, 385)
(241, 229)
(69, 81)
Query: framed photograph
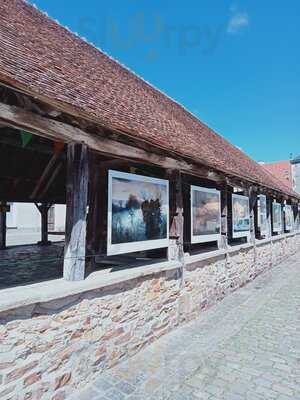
(277, 217)
(289, 218)
(262, 217)
(205, 215)
(240, 216)
(138, 213)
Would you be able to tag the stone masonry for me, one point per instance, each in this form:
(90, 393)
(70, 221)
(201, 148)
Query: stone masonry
(245, 347)
(48, 350)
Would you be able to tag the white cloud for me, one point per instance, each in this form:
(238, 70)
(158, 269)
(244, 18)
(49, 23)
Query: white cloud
(238, 21)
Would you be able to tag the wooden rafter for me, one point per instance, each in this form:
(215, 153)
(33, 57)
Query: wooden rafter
(44, 176)
(51, 180)
(43, 126)
(55, 130)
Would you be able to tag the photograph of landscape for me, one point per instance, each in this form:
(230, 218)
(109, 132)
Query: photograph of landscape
(276, 214)
(138, 212)
(289, 218)
(240, 216)
(262, 214)
(205, 215)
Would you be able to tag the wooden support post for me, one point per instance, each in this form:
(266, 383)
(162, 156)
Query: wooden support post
(297, 216)
(77, 189)
(97, 199)
(269, 217)
(2, 228)
(283, 204)
(224, 217)
(252, 202)
(177, 220)
(44, 209)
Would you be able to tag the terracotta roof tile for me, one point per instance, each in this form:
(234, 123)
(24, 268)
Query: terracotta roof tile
(39, 55)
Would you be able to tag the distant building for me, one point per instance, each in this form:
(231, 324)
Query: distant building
(282, 170)
(287, 171)
(27, 216)
(296, 173)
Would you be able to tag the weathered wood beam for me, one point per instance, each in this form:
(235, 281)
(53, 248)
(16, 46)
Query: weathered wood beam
(252, 193)
(9, 137)
(55, 130)
(97, 214)
(176, 247)
(77, 202)
(44, 210)
(2, 228)
(51, 180)
(269, 216)
(224, 217)
(43, 126)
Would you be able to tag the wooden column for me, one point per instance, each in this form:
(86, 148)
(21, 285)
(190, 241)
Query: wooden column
(97, 215)
(283, 204)
(252, 202)
(296, 216)
(224, 217)
(269, 217)
(77, 190)
(44, 209)
(176, 213)
(2, 228)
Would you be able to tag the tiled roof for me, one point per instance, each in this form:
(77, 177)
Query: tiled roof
(45, 59)
(282, 170)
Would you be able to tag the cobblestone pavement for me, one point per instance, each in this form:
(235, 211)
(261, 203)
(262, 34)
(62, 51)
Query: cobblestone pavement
(247, 347)
(25, 236)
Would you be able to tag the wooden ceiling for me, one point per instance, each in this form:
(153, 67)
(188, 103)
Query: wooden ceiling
(32, 168)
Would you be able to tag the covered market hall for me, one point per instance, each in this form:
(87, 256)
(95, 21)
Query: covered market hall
(71, 131)
(162, 213)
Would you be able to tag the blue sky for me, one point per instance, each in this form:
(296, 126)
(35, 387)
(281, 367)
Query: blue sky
(236, 65)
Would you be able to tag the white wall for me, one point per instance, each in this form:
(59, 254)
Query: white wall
(27, 216)
(296, 176)
(59, 217)
(23, 215)
(11, 217)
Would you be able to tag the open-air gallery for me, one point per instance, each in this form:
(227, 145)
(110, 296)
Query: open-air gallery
(164, 217)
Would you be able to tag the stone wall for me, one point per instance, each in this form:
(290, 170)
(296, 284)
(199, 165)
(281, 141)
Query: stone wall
(48, 350)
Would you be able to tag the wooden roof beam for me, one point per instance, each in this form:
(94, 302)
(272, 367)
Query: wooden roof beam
(19, 118)
(55, 130)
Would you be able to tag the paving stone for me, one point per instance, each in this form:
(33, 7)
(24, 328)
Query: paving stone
(283, 389)
(88, 394)
(114, 394)
(245, 348)
(102, 385)
(125, 387)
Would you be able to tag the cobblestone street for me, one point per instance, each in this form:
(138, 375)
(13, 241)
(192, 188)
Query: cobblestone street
(247, 347)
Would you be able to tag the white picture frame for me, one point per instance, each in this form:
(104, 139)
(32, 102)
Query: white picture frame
(262, 215)
(277, 224)
(242, 221)
(140, 185)
(289, 218)
(210, 237)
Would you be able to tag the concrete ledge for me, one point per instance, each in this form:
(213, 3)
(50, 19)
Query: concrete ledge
(191, 259)
(43, 292)
(236, 249)
(275, 238)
